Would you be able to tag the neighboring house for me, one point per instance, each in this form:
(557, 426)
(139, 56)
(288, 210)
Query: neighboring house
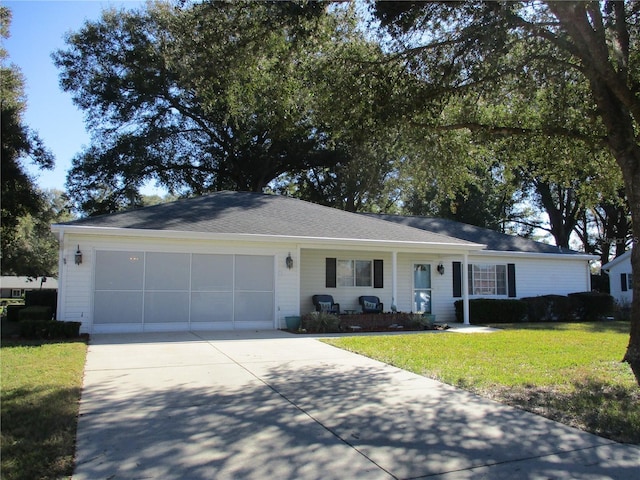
(238, 260)
(14, 287)
(620, 278)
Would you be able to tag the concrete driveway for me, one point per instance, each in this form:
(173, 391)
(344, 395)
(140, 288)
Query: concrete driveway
(270, 405)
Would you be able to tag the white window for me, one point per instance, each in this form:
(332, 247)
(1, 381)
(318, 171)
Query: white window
(16, 293)
(355, 273)
(487, 279)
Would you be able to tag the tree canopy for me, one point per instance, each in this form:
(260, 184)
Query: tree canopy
(22, 201)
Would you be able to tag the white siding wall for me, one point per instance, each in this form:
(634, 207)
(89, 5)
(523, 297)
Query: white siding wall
(75, 294)
(313, 279)
(623, 298)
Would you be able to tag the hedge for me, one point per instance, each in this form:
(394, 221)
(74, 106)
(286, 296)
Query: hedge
(590, 306)
(581, 306)
(35, 313)
(491, 310)
(548, 308)
(49, 329)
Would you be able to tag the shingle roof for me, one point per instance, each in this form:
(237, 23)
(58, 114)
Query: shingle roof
(262, 214)
(493, 240)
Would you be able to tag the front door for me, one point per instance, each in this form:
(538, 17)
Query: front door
(422, 288)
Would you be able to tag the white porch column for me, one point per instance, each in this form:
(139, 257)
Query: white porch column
(465, 289)
(394, 278)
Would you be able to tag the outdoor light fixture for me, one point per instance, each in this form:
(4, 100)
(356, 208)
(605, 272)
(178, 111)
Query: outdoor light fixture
(289, 261)
(440, 268)
(78, 256)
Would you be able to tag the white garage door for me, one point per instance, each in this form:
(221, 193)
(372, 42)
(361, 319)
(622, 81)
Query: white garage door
(149, 291)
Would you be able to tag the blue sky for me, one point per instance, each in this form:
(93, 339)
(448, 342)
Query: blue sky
(37, 29)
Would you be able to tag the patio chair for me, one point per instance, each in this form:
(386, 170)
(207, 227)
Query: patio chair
(325, 303)
(370, 304)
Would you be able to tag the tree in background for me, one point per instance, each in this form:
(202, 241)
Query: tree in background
(459, 48)
(24, 235)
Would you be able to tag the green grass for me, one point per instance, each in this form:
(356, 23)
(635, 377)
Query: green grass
(570, 372)
(41, 384)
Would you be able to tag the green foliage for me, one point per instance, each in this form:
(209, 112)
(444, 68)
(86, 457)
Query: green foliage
(490, 310)
(320, 322)
(209, 96)
(25, 240)
(549, 308)
(35, 313)
(40, 328)
(591, 306)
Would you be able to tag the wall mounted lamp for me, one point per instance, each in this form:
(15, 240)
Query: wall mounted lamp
(440, 268)
(289, 261)
(78, 256)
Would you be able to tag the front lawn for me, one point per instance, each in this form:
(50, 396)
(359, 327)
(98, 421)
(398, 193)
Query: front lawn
(570, 372)
(41, 385)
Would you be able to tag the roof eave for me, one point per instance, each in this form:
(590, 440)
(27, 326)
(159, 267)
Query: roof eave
(322, 241)
(558, 255)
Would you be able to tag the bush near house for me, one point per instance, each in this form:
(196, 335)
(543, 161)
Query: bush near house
(548, 308)
(580, 307)
(591, 306)
(491, 310)
(49, 329)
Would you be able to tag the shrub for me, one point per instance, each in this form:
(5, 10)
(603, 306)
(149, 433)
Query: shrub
(490, 310)
(548, 308)
(320, 322)
(591, 306)
(46, 298)
(49, 329)
(13, 312)
(35, 313)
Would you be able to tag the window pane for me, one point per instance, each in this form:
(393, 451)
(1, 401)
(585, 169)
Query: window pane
(345, 273)
(421, 276)
(363, 273)
(630, 281)
(501, 279)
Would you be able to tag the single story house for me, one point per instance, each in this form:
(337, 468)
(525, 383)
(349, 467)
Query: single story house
(15, 287)
(239, 260)
(620, 278)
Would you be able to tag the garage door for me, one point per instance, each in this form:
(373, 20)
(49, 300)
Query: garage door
(151, 291)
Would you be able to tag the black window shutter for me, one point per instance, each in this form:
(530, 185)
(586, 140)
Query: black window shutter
(457, 279)
(623, 281)
(330, 281)
(511, 279)
(378, 274)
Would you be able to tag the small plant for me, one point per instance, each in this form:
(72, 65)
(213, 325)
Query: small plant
(320, 322)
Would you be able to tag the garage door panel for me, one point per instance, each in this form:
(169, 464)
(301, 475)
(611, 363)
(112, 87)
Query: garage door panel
(117, 307)
(119, 270)
(212, 273)
(166, 271)
(253, 306)
(211, 307)
(254, 272)
(166, 307)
